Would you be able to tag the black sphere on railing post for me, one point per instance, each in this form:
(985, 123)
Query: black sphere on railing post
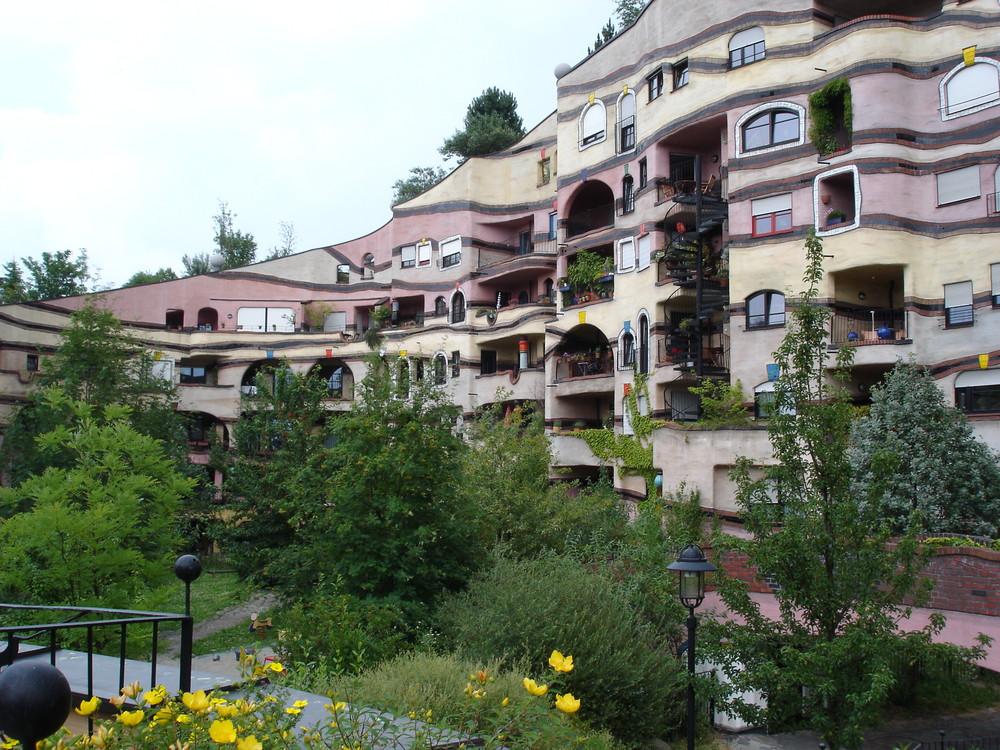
(187, 568)
(35, 699)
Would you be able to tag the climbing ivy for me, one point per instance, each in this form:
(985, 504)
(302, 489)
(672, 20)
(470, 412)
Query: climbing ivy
(632, 454)
(828, 108)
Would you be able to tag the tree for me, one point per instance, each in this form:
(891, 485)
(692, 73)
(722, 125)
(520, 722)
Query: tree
(99, 364)
(839, 583)
(942, 470)
(491, 124)
(100, 530)
(53, 275)
(197, 264)
(275, 486)
(399, 529)
(237, 249)
(288, 239)
(605, 35)
(421, 179)
(627, 11)
(146, 277)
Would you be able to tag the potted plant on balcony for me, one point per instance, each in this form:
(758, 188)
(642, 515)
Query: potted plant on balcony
(836, 216)
(587, 267)
(579, 425)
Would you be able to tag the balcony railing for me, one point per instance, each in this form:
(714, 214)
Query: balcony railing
(864, 327)
(504, 366)
(582, 222)
(584, 366)
(94, 631)
(682, 351)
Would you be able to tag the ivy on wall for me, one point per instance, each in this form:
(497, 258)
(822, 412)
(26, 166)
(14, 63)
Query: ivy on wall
(830, 111)
(631, 454)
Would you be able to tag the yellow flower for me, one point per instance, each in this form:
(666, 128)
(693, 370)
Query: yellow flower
(88, 707)
(132, 689)
(155, 696)
(301, 704)
(178, 746)
(184, 719)
(567, 703)
(117, 700)
(293, 711)
(337, 707)
(534, 689)
(248, 743)
(505, 702)
(561, 663)
(131, 718)
(275, 666)
(162, 716)
(196, 701)
(227, 710)
(9, 744)
(222, 731)
(247, 707)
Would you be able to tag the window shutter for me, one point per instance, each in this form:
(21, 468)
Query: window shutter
(645, 248)
(424, 253)
(409, 254)
(626, 255)
(958, 185)
(958, 295)
(771, 205)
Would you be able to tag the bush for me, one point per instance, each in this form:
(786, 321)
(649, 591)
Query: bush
(520, 610)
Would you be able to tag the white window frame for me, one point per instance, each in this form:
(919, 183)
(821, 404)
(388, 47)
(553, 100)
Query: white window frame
(447, 249)
(958, 185)
(990, 98)
(424, 253)
(654, 84)
(625, 100)
(408, 256)
(592, 114)
(440, 356)
(819, 213)
(644, 252)
(451, 308)
(741, 40)
(995, 283)
(959, 296)
(761, 109)
(622, 336)
(626, 255)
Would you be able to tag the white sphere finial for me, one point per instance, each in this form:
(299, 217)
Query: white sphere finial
(562, 69)
(216, 261)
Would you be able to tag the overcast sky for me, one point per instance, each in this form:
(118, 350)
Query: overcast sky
(122, 125)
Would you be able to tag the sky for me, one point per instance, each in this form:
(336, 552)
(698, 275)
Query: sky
(124, 124)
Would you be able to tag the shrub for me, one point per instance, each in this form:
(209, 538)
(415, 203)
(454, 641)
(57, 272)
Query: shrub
(520, 610)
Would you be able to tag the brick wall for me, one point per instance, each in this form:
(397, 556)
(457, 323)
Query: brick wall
(966, 579)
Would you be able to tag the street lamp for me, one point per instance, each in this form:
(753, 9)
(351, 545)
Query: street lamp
(691, 567)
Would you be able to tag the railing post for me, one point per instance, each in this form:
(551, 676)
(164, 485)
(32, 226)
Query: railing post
(187, 652)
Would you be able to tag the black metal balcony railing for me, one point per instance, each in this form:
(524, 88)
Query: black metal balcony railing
(572, 367)
(104, 630)
(582, 222)
(864, 327)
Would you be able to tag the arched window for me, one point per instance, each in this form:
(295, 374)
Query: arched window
(440, 368)
(625, 125)
(968, 89)
(765, 309)
(746, 47)
(771, 128)
(593, 124)
(628, 194)
(440, 306)
(626, 351)
(403, 378)
(643, 350)
(457, 307)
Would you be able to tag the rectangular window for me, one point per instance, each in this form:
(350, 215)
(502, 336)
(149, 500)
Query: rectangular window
(995, 283)
(958, 185)
(655, 83)
(982, 399)
(343, 273)
(31, 364)
(456, 363)
(545, 171)
(424, 254)
(645, 248)
(553, 225)
(746, 55)
(684, 406)
(191, 375)
(408, 255)
(958, 305)
(487, 362)
(680, 74)
(626, 134)
(626, 255)
(163, 370)
(451, 252)
(643, 173)
(771, 215)
(524, 243)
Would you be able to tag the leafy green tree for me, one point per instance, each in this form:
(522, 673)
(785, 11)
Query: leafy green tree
(839, 583)
(97, 363)
(100, 529)
(605, 35)
(197, 264)
(288, 239)
(275, 484)
(399, 529)
(147, 277)
(627, 11)
(53, 275)
(236, 247)
(491, 124)
(942, 471)
(421, 180)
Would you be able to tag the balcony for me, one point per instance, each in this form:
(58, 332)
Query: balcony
(583, 366)
(683, 352)
(590, 220)
(868, 327)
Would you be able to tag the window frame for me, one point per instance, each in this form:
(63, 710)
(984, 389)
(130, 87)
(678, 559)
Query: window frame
(963, 300)
(769, 318)
(625, 255)
(628, 194)
(772, 124)
(973, 172)
(625, 124)
(981, 383)
(945, 108)
(680, 74)
(643, 172)
(735, 39)
(775, 215)
(654, 85)
(588, 138)
(408, 256)
(31, 363)
(449, 258)
(754, 113)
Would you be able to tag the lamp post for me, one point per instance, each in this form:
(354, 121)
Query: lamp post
(691, 567)
(187, 568)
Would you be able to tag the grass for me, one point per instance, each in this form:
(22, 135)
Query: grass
(232, 638)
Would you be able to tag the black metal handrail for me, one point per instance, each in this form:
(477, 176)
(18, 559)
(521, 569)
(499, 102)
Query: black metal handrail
(17, 637)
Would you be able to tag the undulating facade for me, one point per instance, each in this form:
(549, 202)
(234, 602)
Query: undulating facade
(654, 224)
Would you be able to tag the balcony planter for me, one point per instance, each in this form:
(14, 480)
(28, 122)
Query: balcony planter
(836, 216)
(606, 278)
